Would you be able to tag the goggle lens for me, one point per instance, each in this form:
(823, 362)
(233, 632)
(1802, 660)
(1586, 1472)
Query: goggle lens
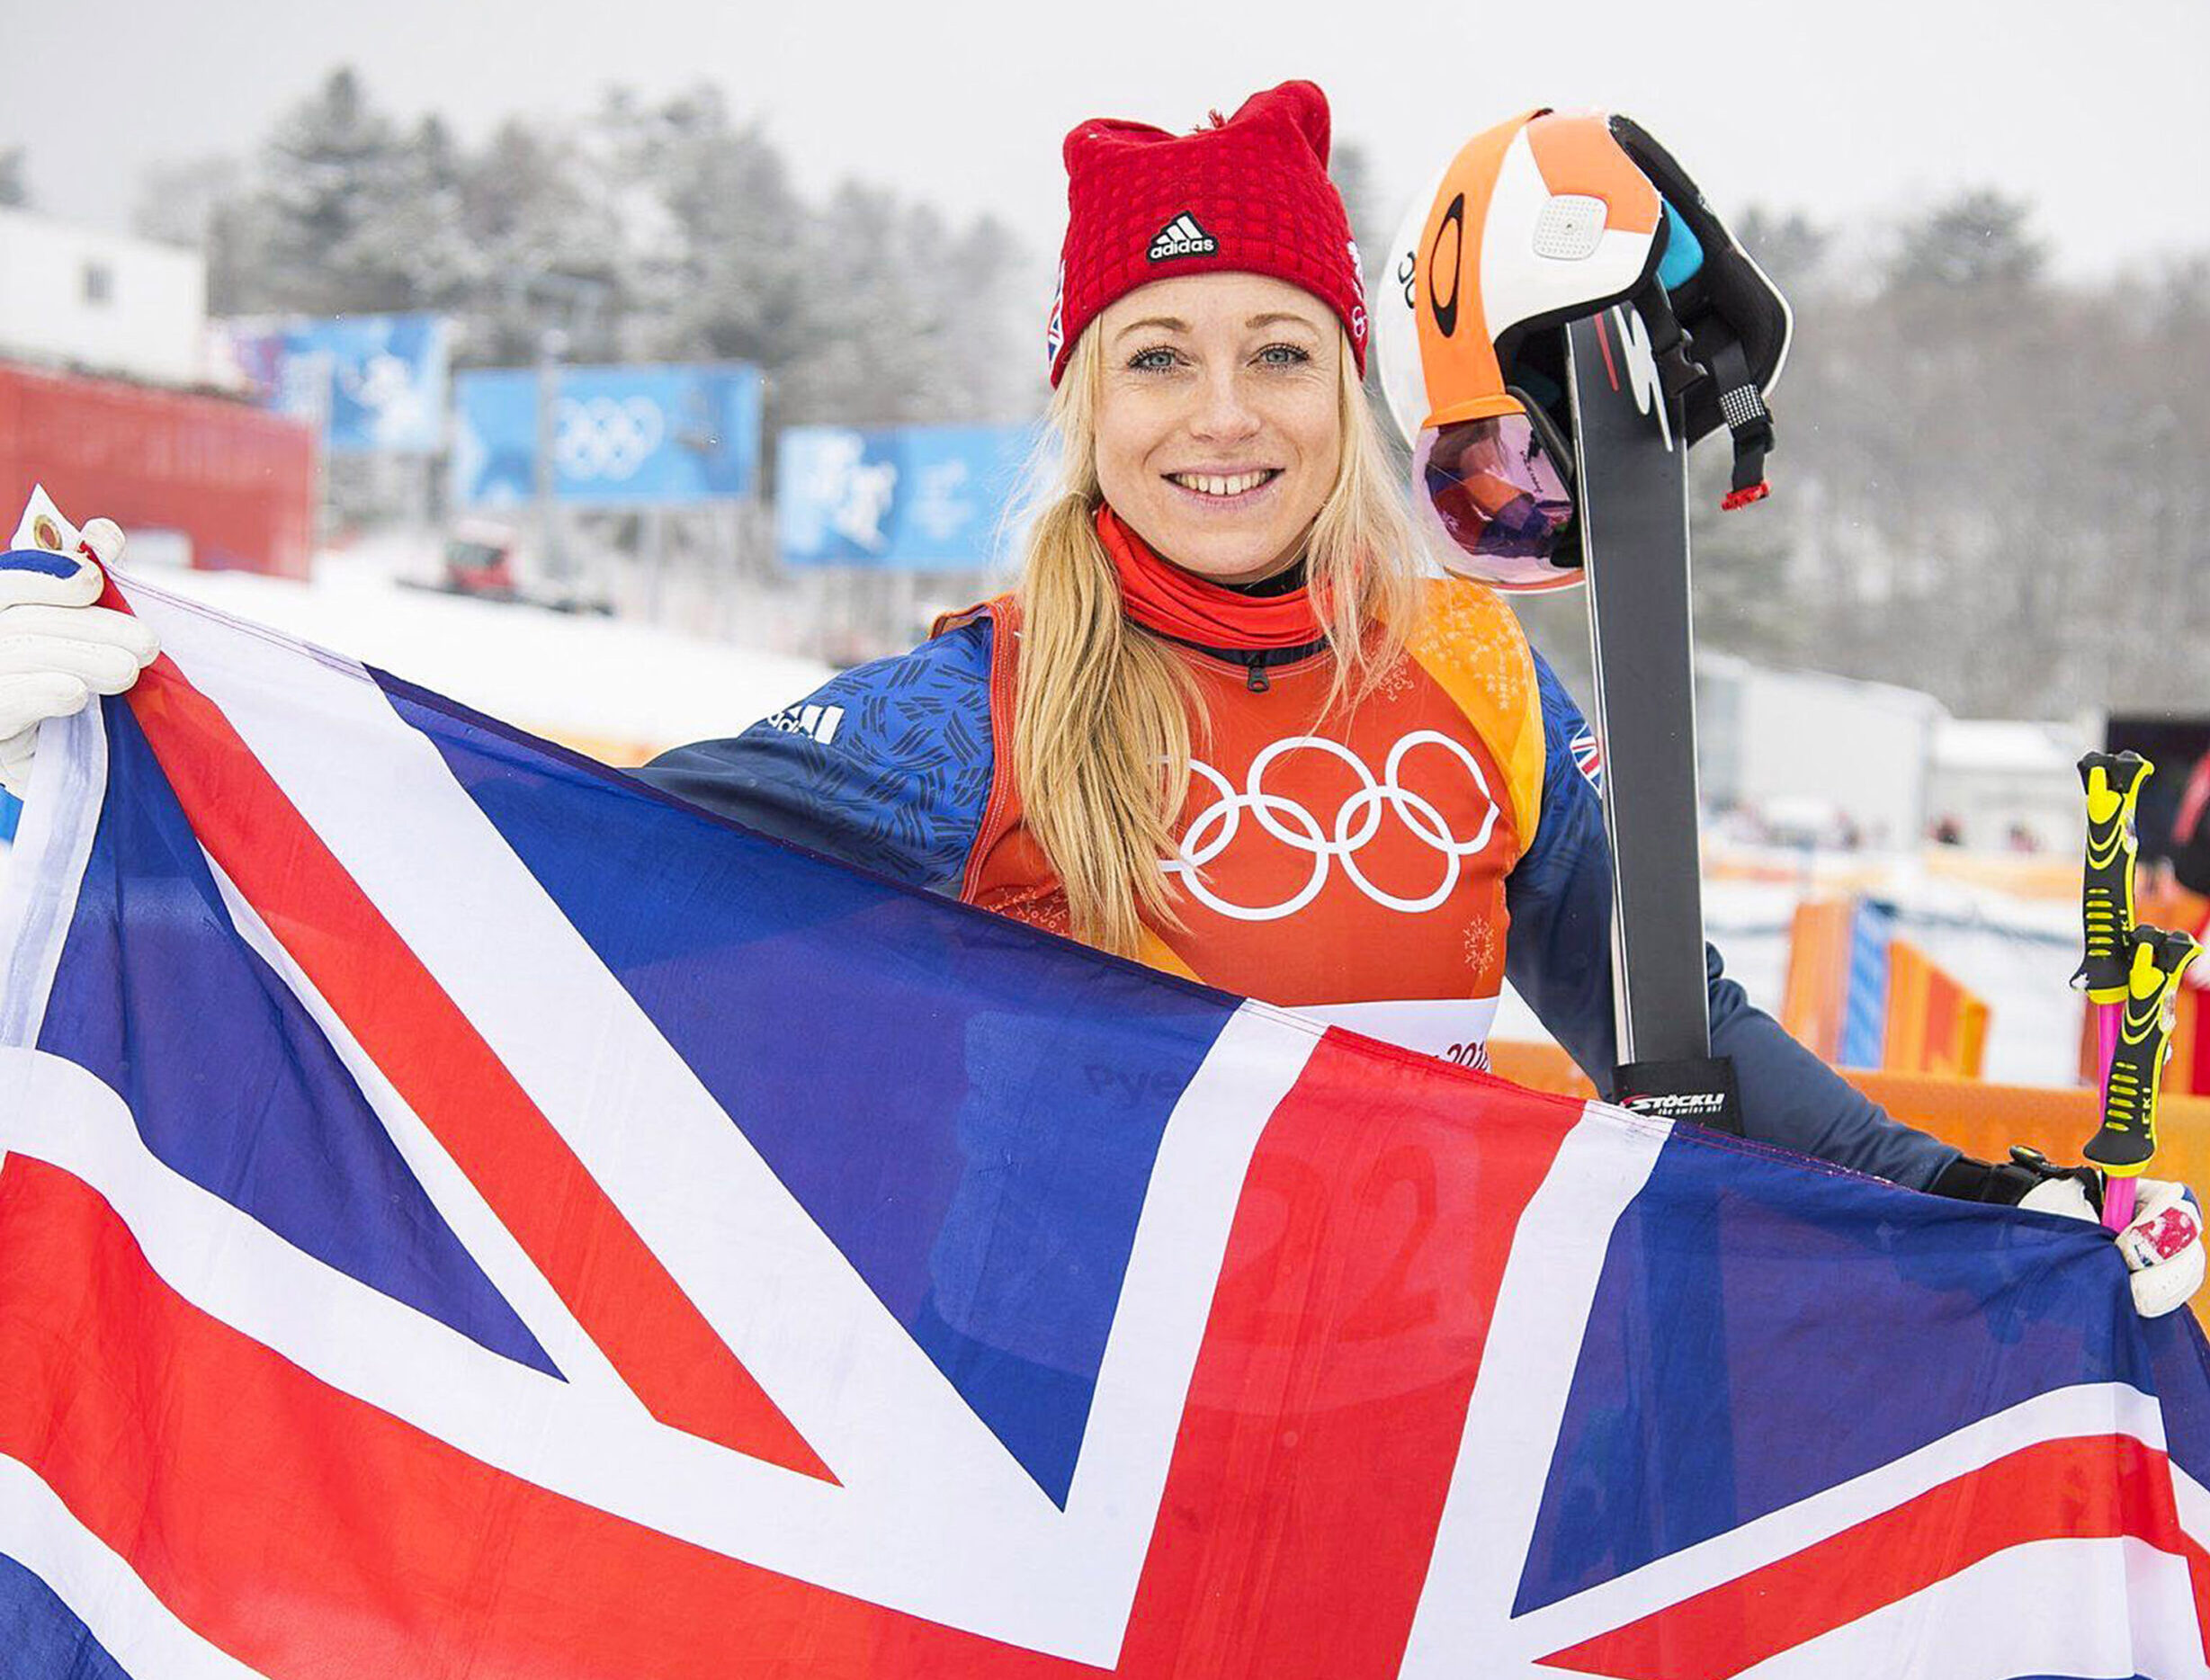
(1497, 492)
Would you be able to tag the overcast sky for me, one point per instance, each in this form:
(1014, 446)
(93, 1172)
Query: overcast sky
(1847, 111)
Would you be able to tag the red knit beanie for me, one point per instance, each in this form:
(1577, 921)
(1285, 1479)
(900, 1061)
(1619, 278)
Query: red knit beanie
(1250, 194)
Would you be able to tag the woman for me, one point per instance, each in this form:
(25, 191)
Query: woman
(1222, 725)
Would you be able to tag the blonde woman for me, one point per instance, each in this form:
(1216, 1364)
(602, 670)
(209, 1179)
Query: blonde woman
(1223, 726)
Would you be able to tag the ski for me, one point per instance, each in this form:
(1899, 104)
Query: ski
(1632, 496)
(1604, 298)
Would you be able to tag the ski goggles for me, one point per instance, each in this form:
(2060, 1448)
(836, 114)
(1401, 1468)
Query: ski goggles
(1499, 488)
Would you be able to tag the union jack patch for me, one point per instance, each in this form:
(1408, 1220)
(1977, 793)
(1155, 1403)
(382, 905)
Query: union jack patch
(1054, 331)
(1588, 757)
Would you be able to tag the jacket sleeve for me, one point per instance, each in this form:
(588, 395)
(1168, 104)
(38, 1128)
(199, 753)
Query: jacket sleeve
(1559, 959)
(887, 766)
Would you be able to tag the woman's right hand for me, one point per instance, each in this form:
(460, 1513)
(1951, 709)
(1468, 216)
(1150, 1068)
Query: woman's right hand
(57, 649)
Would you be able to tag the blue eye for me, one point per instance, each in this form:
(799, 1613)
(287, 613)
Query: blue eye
(1284, 355)
(1157, 360)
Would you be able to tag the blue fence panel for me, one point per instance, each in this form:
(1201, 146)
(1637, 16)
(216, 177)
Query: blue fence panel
(897, 497)
(622, 436)
(1864, 1015)
(382, 382)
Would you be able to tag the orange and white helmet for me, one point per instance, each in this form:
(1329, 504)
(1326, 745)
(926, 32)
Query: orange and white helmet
(1542, 220)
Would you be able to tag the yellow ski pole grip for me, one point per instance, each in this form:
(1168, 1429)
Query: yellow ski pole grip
(2127, 1140)
(2112, 782)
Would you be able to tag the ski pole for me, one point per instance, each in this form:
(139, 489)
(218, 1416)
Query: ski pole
(2112, 783)
(2126, 1142)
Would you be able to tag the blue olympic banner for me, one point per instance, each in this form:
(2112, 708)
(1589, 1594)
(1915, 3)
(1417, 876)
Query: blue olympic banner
(900, 498)
(379, 383)
(621, 435)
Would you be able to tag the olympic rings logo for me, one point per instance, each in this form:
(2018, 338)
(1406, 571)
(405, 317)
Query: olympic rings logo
(1357, 822)
(602, 437)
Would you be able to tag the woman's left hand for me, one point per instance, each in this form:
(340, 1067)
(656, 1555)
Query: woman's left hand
(2162, 1246)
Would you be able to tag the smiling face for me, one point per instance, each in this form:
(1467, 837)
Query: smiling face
(1218, 429)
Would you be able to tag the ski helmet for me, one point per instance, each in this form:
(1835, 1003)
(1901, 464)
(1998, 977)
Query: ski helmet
(1542, 220)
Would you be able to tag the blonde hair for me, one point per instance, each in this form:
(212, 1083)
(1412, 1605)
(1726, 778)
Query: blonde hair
(1101, 717)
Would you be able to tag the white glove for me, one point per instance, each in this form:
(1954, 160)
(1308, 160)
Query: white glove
(57, 650)
(2163, 1246)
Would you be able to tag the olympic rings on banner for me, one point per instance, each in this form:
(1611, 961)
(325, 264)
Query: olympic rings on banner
(601, 437)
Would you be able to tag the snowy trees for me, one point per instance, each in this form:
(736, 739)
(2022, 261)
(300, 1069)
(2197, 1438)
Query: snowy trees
(1991, 484)
(650, 231)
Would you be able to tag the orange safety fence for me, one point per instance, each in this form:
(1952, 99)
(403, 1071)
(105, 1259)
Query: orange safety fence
(1934, 1025)
(1813, 1002)
(1926, 1021)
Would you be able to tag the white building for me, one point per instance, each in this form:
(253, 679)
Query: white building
(1992, 776)
(1813, 757)
(98, 303)
(1824, 755)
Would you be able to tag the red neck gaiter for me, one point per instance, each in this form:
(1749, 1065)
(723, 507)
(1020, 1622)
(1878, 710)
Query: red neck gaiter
(1172, 602)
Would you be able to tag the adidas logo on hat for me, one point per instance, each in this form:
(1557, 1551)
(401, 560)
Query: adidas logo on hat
(1182, 237)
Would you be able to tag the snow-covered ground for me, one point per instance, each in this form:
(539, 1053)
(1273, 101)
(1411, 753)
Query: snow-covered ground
(617, 687)
(2016, 951)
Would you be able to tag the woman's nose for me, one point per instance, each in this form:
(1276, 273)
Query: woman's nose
(1224, 412)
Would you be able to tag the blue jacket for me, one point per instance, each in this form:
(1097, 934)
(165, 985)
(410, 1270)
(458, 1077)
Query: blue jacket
(889, 766)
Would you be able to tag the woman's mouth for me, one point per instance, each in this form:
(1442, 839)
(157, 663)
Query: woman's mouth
(1218, 489)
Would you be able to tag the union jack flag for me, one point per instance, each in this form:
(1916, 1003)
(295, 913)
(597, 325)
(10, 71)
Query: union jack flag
(1588, 758)
(466, 1214)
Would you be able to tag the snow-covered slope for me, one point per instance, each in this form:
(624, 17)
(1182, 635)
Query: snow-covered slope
(620, 690)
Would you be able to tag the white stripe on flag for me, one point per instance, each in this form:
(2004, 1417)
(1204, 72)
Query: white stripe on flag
(139, 1632)
(586, 1056)
(39, 878)
(2083, 1409)
(1182, 1233)
(1519, 1401)
(2051, 1606)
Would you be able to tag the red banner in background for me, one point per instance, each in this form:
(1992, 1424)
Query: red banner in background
(239, 483)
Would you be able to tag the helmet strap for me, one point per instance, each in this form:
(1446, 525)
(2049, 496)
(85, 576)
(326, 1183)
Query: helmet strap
(1741, 404)
(1670, 348)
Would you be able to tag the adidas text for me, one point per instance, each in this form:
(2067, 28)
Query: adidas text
(1181, 237)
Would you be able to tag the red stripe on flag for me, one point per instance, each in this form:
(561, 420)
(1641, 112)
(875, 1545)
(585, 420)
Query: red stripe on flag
(318, 1538)
(2089, 1487)
(622, 1295)
(1325, 1414)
